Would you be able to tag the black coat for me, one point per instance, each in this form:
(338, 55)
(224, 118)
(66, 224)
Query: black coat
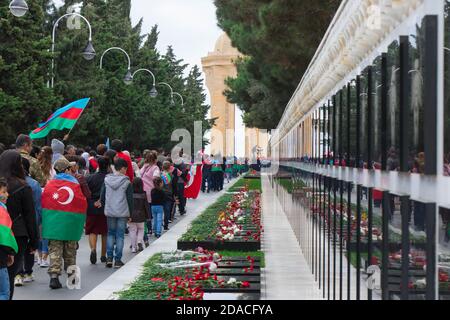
(21, 210)
(95, 183)
(141, 210)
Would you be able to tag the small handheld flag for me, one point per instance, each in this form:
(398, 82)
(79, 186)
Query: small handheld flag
(63, 118)
(7, 238)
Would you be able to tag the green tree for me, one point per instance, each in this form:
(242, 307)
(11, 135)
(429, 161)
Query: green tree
(116, 110)
(24, 95)
(279, 38)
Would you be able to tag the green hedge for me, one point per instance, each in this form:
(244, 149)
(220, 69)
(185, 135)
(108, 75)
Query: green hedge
(253, 184)
(205, 224)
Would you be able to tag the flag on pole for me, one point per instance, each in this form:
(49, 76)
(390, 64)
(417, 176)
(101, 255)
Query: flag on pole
(63, 118)
(194, 184)
(63, 209)
(107, 144)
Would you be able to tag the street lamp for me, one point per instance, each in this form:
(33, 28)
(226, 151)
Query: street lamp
(171, 91)
(153, 91)
(128, 79)
(88, 53)
(181, 97)
(18, 8)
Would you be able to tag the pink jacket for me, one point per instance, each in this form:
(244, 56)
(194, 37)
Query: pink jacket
(148, 173)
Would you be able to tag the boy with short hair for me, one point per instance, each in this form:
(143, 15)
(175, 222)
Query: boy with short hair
(117, 198)
(8, 244)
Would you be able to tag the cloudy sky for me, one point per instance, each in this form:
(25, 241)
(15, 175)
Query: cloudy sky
(191, 28)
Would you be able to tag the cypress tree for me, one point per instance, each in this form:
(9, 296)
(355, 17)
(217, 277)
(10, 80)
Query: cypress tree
(24, 58)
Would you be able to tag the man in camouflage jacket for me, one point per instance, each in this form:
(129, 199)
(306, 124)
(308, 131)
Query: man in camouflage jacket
(24, 145)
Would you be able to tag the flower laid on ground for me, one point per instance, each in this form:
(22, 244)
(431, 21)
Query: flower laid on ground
(239, 214)
(187, 283)
(157, 279)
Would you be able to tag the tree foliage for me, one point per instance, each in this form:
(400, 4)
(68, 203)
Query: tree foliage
(24, 95)
(116, 110)
(278, 39)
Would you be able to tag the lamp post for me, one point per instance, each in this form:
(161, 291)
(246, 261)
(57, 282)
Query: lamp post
(18, 8)
(128, 79)
(153, 91)
(171, 91)
(88, 53)
(181, 97)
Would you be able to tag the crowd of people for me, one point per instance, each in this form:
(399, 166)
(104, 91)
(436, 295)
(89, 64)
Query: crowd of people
(55, 193)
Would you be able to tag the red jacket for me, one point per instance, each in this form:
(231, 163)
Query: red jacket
(130, 171)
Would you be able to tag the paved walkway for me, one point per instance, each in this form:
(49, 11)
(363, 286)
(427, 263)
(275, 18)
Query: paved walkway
(93, 276)
(286, 275)
(166, 243)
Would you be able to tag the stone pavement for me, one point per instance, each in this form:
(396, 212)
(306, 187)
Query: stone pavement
(166, 243)
(93, 276)
(286, 275)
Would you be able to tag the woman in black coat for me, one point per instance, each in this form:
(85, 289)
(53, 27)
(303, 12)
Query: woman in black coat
(21, 209)
(96, 219)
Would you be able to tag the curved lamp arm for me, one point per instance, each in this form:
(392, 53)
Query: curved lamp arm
(167, 85)
(181, 97)
(115, 48)
(55, 25)
(67, 15)
(146, 70)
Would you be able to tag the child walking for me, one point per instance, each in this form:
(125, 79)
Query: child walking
(169, 188)
(117, 198)
(139, 215)
(8, 244)
(158, 200)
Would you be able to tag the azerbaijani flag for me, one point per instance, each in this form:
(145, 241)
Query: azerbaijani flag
(63, 118)
(6, 235)
(63, 209)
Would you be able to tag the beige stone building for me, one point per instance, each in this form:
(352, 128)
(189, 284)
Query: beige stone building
(218, 66)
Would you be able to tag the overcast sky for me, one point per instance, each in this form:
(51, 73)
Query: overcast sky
(190, 26)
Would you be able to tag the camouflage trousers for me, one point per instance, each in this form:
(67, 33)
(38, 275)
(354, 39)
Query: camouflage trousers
(61, 250)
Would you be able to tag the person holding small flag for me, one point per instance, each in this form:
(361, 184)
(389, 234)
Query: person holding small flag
(8, 244)
(21, 210)
(63, 217)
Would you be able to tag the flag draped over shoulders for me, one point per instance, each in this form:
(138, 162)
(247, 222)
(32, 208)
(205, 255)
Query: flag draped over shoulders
(194, 184)
(63, 209)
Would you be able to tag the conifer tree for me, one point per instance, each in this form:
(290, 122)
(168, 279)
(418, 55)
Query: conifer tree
(24, 58)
